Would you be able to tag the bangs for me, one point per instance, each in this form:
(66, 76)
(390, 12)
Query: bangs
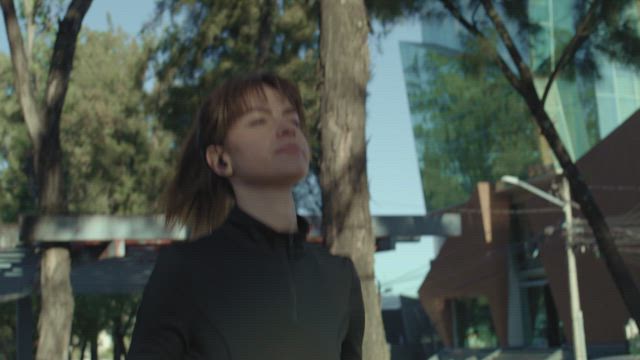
(238, 95)
(239, 101)
(234, 98)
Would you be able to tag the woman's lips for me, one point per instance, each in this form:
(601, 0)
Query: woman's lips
(289, 149)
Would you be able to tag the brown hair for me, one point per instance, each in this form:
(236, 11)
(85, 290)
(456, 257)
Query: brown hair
(196, 196)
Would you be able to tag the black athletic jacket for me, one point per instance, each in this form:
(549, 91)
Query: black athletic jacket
(246, 292)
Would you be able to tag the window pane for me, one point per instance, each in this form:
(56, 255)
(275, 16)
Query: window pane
(562, 14)
(605, 83)
(627, 107)
(541, 51)
(539, 10)
(607, 115)
(624, 82)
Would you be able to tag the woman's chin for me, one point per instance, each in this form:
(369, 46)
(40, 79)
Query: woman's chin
(281, 179)
(295, 178)
(293, 169)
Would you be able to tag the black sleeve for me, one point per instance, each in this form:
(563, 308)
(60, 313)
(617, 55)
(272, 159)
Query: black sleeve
(352, 343)
(160, 331)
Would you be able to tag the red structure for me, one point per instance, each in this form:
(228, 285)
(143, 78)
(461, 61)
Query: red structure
(510, 258)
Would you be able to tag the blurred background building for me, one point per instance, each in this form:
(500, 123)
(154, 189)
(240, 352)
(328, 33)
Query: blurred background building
(503, 282)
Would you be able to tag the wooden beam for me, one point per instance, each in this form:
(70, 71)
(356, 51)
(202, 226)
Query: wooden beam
(445, 224)
(484, 195)
(147, 228)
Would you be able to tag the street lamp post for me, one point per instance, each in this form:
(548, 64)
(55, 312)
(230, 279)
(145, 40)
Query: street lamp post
(579, 343)
(579, 346)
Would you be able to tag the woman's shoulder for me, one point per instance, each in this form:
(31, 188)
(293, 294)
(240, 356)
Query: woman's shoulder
(172, 256)
(197, 243)
(180, 253)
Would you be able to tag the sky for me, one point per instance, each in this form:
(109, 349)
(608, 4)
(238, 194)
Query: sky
(394, 179)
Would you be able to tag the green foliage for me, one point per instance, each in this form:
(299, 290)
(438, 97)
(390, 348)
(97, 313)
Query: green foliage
(615, 35)
(388, 12)
(207, 41)
(615, 30)
(623, 43)
(470, 126)
(7, 330)
(97, 312)
(115, 156)
(115, 153)
(15, 162)
(474, 326)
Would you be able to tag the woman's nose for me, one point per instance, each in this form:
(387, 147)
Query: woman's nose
(286, 128)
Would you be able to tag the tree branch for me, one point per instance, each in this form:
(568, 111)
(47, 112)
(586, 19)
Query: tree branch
(584, 29)
(29, 15)
(473, 29)
(455, 12)
(30, 110)
(507, 40)
(62, 60)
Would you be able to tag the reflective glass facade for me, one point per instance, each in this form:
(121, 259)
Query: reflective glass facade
(584, 110)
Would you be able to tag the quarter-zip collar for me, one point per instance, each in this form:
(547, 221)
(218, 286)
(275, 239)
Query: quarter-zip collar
(293, 243)
(260, 232)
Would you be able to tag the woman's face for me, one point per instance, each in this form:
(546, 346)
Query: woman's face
(266, 144)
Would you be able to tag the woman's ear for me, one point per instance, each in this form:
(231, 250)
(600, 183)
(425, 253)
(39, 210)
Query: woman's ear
(219, 161)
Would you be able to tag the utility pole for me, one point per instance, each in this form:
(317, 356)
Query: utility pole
(577, 323)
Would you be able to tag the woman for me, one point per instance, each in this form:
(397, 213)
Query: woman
(249, 286)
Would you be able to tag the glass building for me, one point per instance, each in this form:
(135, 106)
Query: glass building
(470, 126)
(584, 110)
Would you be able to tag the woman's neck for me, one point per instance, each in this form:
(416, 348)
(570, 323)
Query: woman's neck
(273, 207)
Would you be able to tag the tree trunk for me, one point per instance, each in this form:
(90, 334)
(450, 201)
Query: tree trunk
(56, 313)
(118, 335)
(263, 44)
(29, 15)
(344, 60)
(127, 328)
(83, 348)
(123, 347)
(30, 110)
(94, 347)
(43, 124)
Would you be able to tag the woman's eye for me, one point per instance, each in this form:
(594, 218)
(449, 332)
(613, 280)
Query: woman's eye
(258, 121)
